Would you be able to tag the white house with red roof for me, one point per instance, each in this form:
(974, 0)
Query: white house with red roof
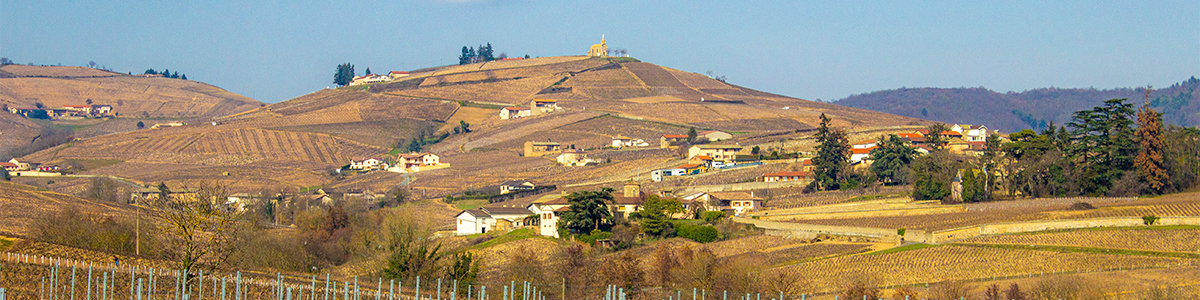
(513, 112)
(365, 163)
(397, 74)
(785, 176)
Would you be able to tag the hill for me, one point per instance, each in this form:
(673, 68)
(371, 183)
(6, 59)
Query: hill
(1012, 111)
(296, 143)
(133, 98)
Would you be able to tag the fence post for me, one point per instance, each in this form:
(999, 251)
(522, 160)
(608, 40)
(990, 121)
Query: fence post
(237, 288)
(139, 289)
(326, 286)
(222, 288)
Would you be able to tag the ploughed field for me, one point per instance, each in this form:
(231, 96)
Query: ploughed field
(1182, 239)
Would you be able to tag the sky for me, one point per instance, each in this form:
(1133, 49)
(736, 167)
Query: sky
(277, 50)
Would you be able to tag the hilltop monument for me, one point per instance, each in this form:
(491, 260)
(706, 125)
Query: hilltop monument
(599, 50)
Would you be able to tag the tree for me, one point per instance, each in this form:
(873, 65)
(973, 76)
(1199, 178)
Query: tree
(413, 251)
(197, 228)
(141, 125)
(833, 153)
(103, 189)
(344, 74)
(465, 58)
(184, 77)
(755, 150)
(655, 215)
(588, 210)
(471, 53)
(936, 136)
(400, 195)
(1102, 142)
(892, 160)
(1014, 293)
(932, 176)
(89, 101)
(414, 146)
(150, 72)
(1149, 161)
(4, 61)
(7, 177)
(691, 135)
(466, 127)
(465, 270)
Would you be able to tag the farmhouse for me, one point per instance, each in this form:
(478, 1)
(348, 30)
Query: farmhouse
(785, 176)
(514, 112)
(11, 167)
(715, 135)
(548, 213)
(370, 78)
(717, 152)
(860, 154)
(866, 144)
(20, 166)
(693, 169)
(575, 157)
(630, 200)
(621, 141)
(599, 50)
(541, 106)
(172, 124)
(971, 133)
(669, 140)
(365, 163)
(533, 149)
(397, 74)
(415, 161)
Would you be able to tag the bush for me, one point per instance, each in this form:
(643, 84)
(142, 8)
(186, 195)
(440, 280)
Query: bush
(698, 233)
(712, 217)
(1081, 206)
(596, 235)
(1150, 220)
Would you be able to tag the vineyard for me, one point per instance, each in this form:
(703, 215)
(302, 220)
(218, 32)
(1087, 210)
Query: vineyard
(945, 263)
(611, 77)
(1026, 210)
(1169, 240)
(516, 91)
(129, 96)
(55, 71)
(22, 204)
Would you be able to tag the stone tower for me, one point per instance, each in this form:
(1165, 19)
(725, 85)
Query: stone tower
(632, 189)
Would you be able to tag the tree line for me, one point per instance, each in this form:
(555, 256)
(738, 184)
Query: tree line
(166, 73)
(484, 53)
(1109, 150)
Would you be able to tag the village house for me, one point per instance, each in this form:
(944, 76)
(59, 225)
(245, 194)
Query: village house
(865, 144)
(397, 74)
(414, 161)
(621, 141)
(693, 169)
(514, 112)
(547, 212)
(365, 163)
(861, 154)
(785, 176)
(629, 201)
(172, 124)
(513, 186)
(971, 133)
(11, 167)
(734, 203)
(724, 153)
(534, 149)
(369, 78)
(101, 109)
(19, 165)
(575, 157)
(668, 141)
(476, 221)
(714, 135)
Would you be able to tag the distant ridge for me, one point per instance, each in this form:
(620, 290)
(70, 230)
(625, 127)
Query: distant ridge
(1032, 109)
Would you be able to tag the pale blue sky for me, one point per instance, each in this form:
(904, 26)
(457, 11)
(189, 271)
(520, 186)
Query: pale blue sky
(277, 50)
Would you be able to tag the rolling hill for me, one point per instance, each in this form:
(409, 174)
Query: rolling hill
(295, 143)
(1011, 112)
(133, 98)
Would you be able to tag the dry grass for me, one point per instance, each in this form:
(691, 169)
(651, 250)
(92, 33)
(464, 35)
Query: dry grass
(654, 99)
(56, 71)
(517, 91)
(21, 204)
(129, 96)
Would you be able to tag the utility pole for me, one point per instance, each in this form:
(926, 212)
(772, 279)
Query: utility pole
(137, 231)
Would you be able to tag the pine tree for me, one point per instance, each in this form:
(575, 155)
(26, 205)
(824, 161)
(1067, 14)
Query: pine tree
(892, 160)
(833, 152)
(368, 72)
(1149, 161)
(935, 137)
(344, 74)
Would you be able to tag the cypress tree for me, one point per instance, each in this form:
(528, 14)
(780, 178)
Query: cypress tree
(1149, 161)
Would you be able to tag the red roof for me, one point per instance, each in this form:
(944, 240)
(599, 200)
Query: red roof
(862, 151)
(515, 108)
(7, 164)
(675, 136)
(787, 174)
(689, 166)
(704, 157)
(78, 106)
(910, 135)
(946, 133)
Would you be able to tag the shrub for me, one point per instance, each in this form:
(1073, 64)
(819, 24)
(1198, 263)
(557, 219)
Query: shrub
(712, 217)
(698, 233)
(1149, 220)
(1081, 206)
(596, 235)
(900, 231)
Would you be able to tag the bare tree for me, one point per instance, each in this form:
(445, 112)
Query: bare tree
(196, 225)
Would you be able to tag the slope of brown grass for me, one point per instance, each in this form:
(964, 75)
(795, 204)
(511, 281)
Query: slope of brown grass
(22, 203)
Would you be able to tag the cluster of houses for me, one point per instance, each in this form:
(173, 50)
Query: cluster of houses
(403, 163)
(67, 111)
(377, 78)
(544, 214)
(536, 107)
(20, 168)
(963, 139)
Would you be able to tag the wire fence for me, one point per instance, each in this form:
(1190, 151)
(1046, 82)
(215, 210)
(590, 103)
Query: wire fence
(24, 276)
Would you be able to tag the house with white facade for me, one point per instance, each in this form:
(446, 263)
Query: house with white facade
(514, 112)
(365, 163)
(476, 221)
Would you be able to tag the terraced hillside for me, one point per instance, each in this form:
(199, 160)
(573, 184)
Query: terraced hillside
(296, 142)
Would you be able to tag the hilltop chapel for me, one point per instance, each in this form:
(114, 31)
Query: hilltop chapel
(599, 50)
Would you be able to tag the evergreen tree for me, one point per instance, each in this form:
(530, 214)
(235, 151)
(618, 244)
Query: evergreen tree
(184, 76)
(471, 53)
(691, 135)
(150, 72)
(141, 125)
(655, 215)
(588, 210)
(1149, 160)
(833, 153)
(344, 74)
(368, 72)
(465, 58)
(892, 160)
(1103, 142)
